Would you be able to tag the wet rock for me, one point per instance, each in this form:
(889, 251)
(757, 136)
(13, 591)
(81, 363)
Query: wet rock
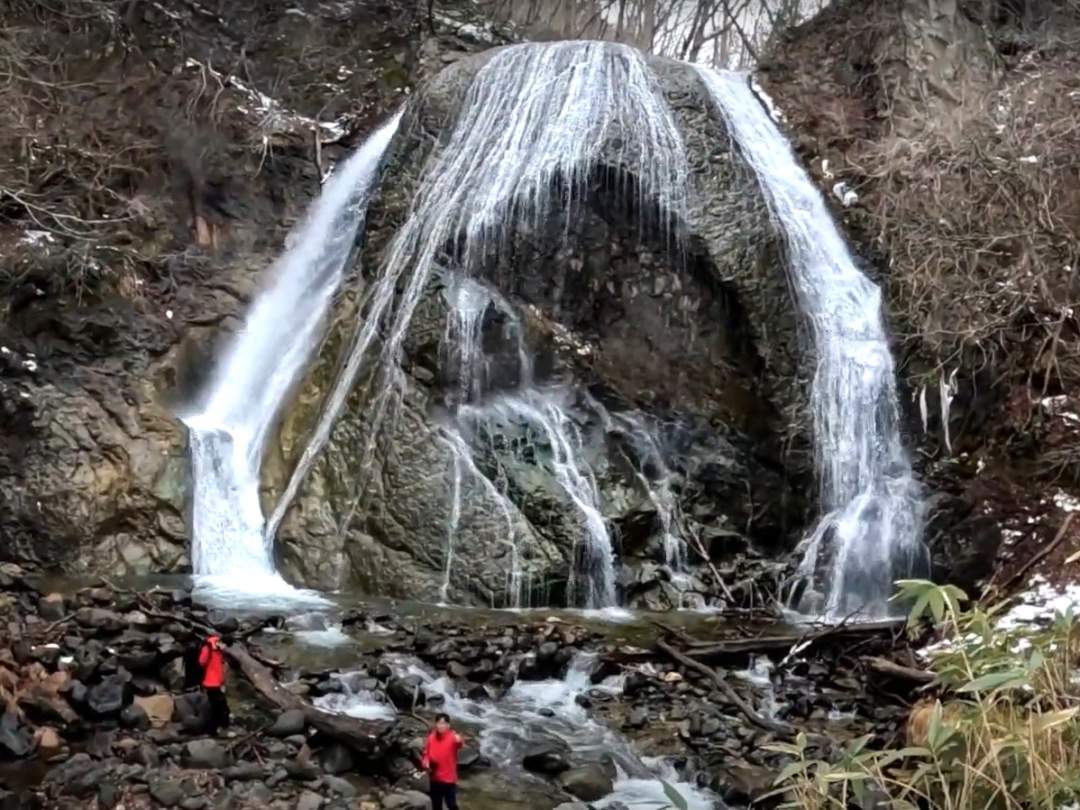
(195, 803)
(572, 806)
(51, 607)
(135, 717)
(635, 683)
(456, 669)
(638, 717)
(469, 758)
(109, 696)
(309, 801)
(547, 757)
(409, 800)
(302, 770)
(406, 693)
(742, 782)
(15, 740)
(205, 754)
(336, 759)
(589, 782)
(288, 723)
(166, 792)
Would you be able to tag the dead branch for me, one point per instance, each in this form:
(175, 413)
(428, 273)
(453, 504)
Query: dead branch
(732, 696)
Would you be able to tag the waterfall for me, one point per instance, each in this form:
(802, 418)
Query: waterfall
(229, 429)
(536, 121)
(872, 521)
(552, 434)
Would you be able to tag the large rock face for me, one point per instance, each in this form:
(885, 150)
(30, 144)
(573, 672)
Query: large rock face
(699, 345)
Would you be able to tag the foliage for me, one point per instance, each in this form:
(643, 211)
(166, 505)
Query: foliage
(1003, 732)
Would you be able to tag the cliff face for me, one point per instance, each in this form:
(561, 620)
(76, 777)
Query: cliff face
(952, 129)
(156, 155)
(152, 159)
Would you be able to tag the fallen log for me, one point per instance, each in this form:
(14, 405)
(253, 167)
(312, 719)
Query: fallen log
(368, 737)
(775, 642)
(895, 670)
(733, 697)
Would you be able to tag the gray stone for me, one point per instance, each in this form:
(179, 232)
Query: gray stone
(547, 757)
(109, 696)
(288, 723)
(205, 754)
(309, 801)
(336, 758)
(588, 782)
(409, 800)
(134, 717)
(51, 607)
(166, 792)
(339, 786)
(14, 739)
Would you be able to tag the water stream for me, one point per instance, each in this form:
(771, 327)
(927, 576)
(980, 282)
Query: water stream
(869, 535)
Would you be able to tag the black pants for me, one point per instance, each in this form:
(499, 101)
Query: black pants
(443, 791)
(219, 708)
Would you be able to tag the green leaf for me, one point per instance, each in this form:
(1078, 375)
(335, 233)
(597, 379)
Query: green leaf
(788, 771)
(996, 680)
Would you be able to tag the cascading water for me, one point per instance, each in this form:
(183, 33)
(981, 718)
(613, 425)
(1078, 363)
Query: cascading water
(544, 417)
(230, 549)
(873, 515)
(540, 710)
(534, 124)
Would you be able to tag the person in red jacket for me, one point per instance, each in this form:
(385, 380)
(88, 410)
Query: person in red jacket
(440, 761)
(212, 661)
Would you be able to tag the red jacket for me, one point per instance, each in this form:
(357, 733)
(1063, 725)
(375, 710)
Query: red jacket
(440, 754)
(213, 663)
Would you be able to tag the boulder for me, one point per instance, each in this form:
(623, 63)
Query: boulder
(336, 758)
(548, 757)
(135, 717)
(406, 692)
(193, 711)
(100, 619)
(166, 792)
(589, 783)
(109, 696)
(288, 723)
(51, 607)
(205, 754)
(158, 708)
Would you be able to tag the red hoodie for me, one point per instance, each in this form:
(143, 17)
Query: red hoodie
(440, 754)
(212, 660)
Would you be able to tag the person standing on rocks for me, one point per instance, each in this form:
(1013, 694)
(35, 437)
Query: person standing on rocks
(212, 661)
(440, 761)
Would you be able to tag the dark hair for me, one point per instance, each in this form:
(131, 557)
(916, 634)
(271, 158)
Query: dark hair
(442, 716)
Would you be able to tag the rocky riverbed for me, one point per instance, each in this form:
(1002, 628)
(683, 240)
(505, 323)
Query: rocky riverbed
(330, 709)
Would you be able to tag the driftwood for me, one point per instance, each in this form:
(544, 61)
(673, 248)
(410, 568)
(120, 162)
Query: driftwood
(732, 696)
(891, 668)
(364, 736)
(705, 650)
